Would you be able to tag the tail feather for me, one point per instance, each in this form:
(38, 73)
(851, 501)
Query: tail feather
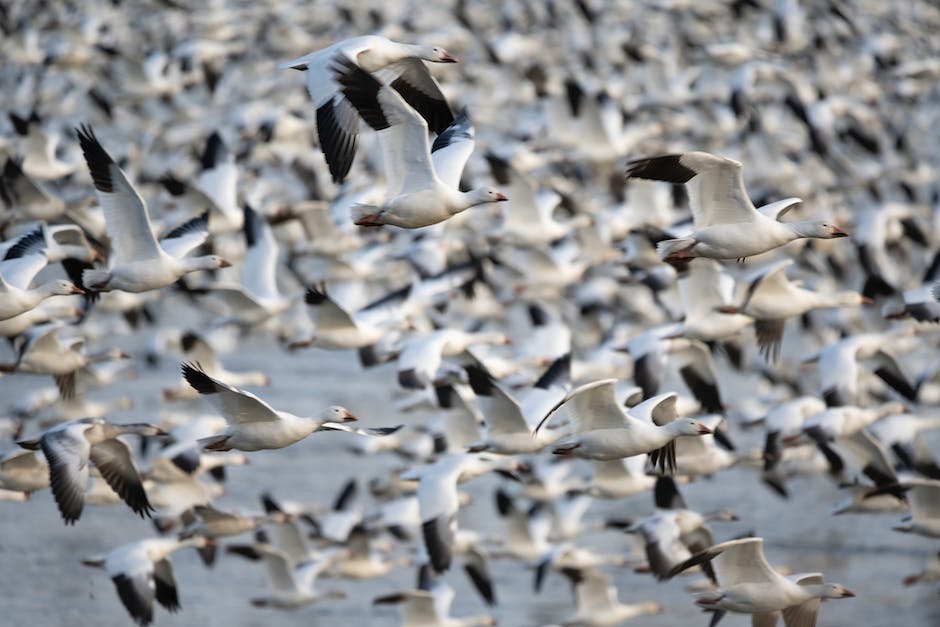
(365, 215)
(95, 279)
(670, 247)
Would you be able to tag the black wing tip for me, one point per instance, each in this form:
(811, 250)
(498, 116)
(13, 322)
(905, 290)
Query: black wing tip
(666, 168)
(252, 225)
(216, 151)
(315, 295)
(193, 225)
(30, 242)
(337, 142)
(96, 157)
(199, 380)
(173, 185)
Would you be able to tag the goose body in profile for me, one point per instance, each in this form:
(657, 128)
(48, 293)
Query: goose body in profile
(337, 126)
(421, 190)
(70, 446)
(254, 425)
(727, 225)
(138, 263)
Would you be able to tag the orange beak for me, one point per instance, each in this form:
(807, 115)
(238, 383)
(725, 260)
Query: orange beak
(500, 197)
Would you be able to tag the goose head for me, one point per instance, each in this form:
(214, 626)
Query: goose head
(335, 413)
(435, 54)
(836, 591)
(62, 288)
(690, 426)
(818, 230)
(141, 428)
(483, 195)
(207, 262)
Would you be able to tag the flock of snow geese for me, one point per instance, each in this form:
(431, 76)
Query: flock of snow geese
(543, 258)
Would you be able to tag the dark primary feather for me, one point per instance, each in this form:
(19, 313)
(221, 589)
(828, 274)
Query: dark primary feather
(337, 129)
(199, 224)
(199, 380)
(216, 151)
(137, 596)
(98, 160)
(346, 496)
(434, 110)
(362, 90)
(662, 168)
(438, 539)
(252, 226)
(705, 390)
(32, 242)
(666, 495)
(20, 125)
(558, 372)
(460, 129)
(165, 585)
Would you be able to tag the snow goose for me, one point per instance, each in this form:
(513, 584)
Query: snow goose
(771, 298)
(703, 291)
(924, 497)
(16, 275)
(598, 603)
(213, 523)
(337, 126)
(70, 446)
(749, 585)
(438, 499)
(291, 586)
(429, 606)
(28, 199)
(727, 225)
(605, 431)
(258, 298)
(23, 471)
(57, 242)
(358, 560)
(254, 425)
(528, 214)
(421, 356)
(40, 160)
(43, 352)
(653, 349)
(337, 329)
(901, 434)
(142, 572)
(508, 432)
(839, 367)
(859, 454)
(215, 190)
(784, 423)
(418, 194)
(137, 262)
(620, 478)
(218, 182)
(675, 532)
(197, 349)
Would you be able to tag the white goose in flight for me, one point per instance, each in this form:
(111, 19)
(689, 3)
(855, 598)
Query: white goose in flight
(137, 262)
(727, 225)
(70, 446)
(142, 572)
(337, 126)
(254, 425)
(420, 190)
(750, 585)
